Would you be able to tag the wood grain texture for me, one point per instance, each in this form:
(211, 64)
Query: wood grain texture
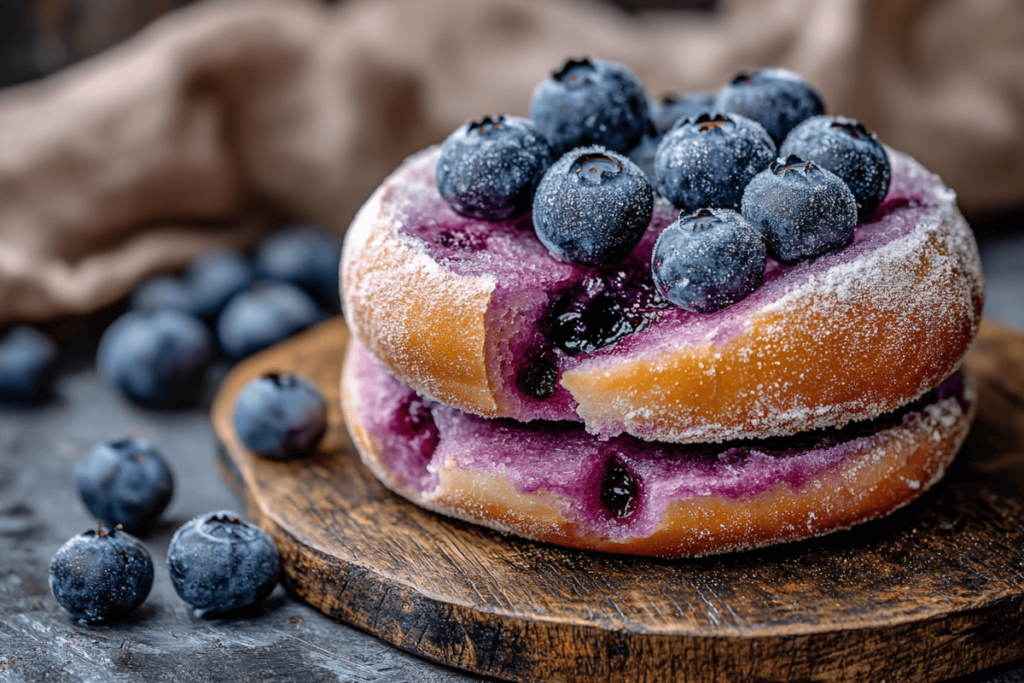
(931, 592)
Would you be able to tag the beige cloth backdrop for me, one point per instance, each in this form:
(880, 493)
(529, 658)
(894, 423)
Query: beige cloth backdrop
(188, 136)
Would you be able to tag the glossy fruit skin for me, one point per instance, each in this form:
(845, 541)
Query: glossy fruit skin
(846, 148)
(590, 102)
(709, 260)
(802, 210)
(666, 111)
(305, 257)
(706, 162)
(28, 363)
(776, 98)
(156, 358)
(218, 562)
(124, 482)
(264, 314)
(280, 416)
(214, 278)
(98, 576)
(489, 169)
(592, 207)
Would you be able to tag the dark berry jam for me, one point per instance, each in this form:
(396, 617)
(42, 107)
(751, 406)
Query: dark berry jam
(605, 308)
(620, 491)
(538, 376)
(413, 420)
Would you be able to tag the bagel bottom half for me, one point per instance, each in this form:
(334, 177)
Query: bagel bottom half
(553, 481)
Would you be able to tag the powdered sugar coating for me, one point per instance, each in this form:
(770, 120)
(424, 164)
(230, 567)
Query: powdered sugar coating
(560, 465)
(817, 344)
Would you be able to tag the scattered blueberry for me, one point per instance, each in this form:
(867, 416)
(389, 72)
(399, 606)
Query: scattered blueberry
(490, 168)
(668, 110)
(28, 362)
(709, 260)
(846, 148)
(214, 278)
(592, 206)
(776, 98)
(163, 291)
(590, 102)
(305, 257)
(218, 562)
(125, 482)
(801, 209)
(280, 416)
(98, 575)
(264, 314)
(156, 358)
(708, 160)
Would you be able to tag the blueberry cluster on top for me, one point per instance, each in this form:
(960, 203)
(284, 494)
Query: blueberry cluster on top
(756, 169)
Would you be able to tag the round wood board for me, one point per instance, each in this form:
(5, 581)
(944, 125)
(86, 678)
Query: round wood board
(934, 591)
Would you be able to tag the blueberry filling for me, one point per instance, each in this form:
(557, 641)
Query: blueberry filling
(603, 310)
(620, 490)
(538, 377)
(415, 422)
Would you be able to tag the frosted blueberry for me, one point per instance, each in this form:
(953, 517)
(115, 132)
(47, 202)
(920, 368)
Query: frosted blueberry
(218, 562)
(846, 148)
(98, 575)
(592, 206)
(489, 169)
(776, 98)
(802, 210)
(709, 260)
(280, 416)
(707, 161)
(124, 482)
(590, 102)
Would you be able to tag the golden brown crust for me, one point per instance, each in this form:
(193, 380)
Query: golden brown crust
(821, 356)
(885, 475)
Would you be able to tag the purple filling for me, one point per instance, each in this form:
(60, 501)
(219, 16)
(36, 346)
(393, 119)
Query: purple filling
(618, 487)
(570, 314)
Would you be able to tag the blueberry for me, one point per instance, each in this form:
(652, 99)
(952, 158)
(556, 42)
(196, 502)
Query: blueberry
(163, 291)
(28, 363)
(218, 562)
(262, 315)
(214, 278)
(846, 148)
(801, 209)
(156, 358)
(669, 109)
(592, 206)
(707, 161)
(489, 169)
(776, 98)
(125, 482)
(280, 416)
(709, 260)
(305, 257)
(590, 102)
(98, 575)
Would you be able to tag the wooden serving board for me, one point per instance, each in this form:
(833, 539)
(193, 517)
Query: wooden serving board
(934, 591)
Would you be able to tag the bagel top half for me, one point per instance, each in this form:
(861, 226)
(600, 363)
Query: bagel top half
(461, 310)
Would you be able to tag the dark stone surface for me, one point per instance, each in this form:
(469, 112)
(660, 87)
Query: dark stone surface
(285, 640)
(162, 641)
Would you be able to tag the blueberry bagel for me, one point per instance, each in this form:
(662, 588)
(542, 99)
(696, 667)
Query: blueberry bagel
(554, 482)
(482, 317)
